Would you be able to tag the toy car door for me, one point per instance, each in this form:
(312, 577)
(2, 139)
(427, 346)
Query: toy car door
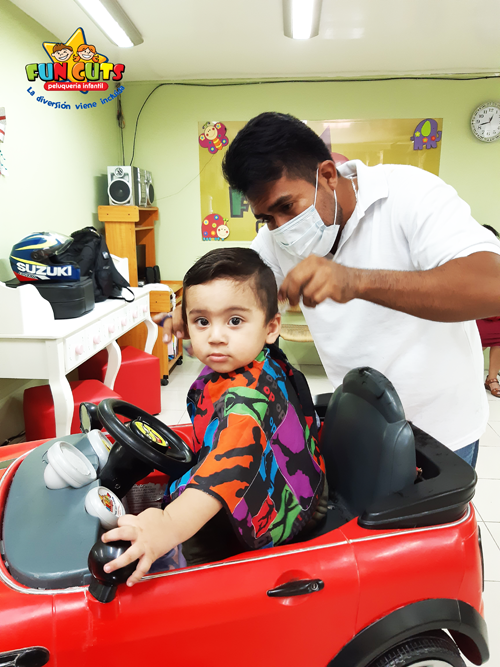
(248, 610)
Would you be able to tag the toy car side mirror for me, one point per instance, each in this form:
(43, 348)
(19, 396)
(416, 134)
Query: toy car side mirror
(88, 417)
(104, 584)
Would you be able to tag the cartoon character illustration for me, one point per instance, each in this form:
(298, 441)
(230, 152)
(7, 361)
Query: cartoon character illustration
(151, 434)
(76, 52)
(62, 52)
(107, 501)
(426, 135)
(210, 228)
(223, 232)
(86, 52)
(213, 137)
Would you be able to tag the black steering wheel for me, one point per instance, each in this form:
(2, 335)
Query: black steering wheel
(145, 444)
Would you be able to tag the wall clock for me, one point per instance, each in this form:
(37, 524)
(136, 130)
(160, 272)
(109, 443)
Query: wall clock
(485, 122)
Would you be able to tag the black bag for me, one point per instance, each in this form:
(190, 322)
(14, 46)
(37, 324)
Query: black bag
(90, 252)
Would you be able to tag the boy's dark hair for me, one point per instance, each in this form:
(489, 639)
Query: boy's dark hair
(239, 264)
(492, 229)
(269, 146)
(60, 47)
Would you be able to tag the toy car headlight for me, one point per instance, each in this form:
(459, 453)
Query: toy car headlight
(67, 466)
(102, 503)
(101, 446)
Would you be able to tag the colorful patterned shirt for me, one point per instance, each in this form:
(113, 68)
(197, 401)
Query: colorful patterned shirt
(256, 454)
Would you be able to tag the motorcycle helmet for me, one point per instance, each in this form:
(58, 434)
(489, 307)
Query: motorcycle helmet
(39, 257)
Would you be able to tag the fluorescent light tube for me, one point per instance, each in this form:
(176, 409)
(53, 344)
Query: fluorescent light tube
(301, 18)
(110, 18)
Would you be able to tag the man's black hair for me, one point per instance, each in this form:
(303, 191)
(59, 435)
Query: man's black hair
(270, 146)
(239, 264)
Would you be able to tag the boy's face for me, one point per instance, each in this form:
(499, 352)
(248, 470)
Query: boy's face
(62, 55)
(227, 324)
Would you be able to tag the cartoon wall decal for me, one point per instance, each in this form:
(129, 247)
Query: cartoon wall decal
(86, 52)
(213, 137)
(61, 52)
(373, 141)
(222, 232)
(214, 228)
(426, 134)
(3, 122)
(74, 60)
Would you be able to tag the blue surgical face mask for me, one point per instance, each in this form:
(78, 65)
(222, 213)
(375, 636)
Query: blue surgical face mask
(307, 234)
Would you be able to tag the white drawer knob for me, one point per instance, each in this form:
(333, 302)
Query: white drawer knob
(135, 314)
(124, 321)
(97, 339)
(111, 328)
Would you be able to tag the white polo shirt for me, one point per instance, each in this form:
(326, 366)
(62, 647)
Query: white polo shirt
(406, 219)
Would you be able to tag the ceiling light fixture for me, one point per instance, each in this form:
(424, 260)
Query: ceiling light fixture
(112, 20)
(301, 18)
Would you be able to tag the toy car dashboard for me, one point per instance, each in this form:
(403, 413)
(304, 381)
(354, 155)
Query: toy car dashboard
(47, 534)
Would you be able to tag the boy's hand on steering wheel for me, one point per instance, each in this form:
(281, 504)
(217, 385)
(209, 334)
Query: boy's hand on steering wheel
(171, 325)
(149, 538)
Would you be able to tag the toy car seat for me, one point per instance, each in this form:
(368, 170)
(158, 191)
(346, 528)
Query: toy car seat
(367, 444)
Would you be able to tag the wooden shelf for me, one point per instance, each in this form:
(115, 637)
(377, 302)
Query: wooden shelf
(172, 362)
(127, 213)
(127, 227)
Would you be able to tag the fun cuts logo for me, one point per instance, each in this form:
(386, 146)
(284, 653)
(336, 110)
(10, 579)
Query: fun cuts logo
(75, 66)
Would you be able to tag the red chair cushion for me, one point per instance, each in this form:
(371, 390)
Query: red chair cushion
(138, 380)
(38, 407)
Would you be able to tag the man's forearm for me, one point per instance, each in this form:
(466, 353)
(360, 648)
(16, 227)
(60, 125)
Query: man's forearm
(462, 289)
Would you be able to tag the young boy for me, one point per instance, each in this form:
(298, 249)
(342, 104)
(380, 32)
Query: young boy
(259, 478)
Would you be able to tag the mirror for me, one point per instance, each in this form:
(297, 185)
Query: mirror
(88, 417)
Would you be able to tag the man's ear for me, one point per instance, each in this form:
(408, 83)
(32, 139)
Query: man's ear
(273, 329)
(328, 171)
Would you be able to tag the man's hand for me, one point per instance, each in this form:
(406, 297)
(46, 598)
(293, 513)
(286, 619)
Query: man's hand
(174, 324)
(150, 540)
(463, 289)
(317, 279)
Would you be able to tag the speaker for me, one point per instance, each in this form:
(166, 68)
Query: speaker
(142, 199)
(152, 274)
(150, 191)
(123, 186)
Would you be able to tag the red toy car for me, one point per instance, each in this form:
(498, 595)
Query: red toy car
(392, 578)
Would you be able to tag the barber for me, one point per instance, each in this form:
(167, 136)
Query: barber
(387, 263)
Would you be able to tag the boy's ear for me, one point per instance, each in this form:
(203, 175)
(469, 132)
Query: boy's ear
(273, 329)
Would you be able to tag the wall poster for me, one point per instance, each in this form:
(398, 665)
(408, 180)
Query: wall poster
(226, 214)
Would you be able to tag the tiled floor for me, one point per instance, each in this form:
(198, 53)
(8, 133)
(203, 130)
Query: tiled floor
(487, 499)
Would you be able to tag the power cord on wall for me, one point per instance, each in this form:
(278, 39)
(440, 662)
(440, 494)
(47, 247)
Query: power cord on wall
(121, 122)
(225, 84)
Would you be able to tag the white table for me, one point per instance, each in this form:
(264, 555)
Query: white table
(49, 349)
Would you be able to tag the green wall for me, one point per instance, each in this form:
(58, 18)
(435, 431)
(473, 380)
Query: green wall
(167, 140)
(56, 158)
